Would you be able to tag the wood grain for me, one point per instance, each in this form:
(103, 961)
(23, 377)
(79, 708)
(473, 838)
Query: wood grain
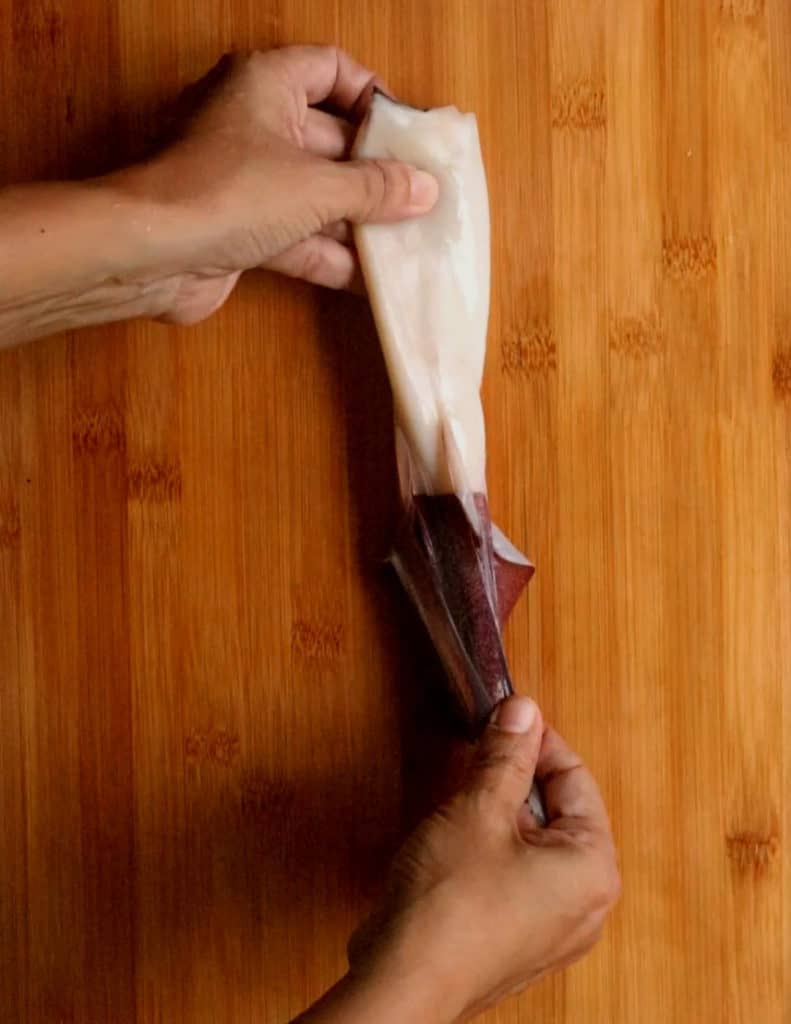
(217, 711)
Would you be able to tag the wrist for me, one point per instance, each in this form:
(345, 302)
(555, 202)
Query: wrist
(159, 236)
(408, 976)
(387, 1000)
(179, 220)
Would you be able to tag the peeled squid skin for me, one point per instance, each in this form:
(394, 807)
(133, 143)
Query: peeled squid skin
(428, 280)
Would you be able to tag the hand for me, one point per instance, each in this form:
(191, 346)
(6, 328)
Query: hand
(260, 175)
(255, 179)
(482, 902)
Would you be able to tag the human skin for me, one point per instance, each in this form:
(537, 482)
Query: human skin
(481, 902)
(256, 178)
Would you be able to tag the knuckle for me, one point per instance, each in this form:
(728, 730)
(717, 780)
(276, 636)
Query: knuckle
(502, 761)
(237, 62)
(424, 857)
(313, 263)
(258, 59)
(484, 808)
(605, 888)
(386, 187)
(262, 69)
(615, 886)
(477, 812)
(593, 938)
(400, 182)
(520, 761)
(375, 185)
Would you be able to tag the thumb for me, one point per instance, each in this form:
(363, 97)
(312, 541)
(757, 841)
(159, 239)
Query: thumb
(507, 754)
(370, 191)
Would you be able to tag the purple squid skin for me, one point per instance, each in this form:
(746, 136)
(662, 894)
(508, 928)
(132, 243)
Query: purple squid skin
(463, 591)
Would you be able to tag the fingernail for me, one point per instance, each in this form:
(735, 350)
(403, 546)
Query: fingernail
(516, 714)
(423, 189)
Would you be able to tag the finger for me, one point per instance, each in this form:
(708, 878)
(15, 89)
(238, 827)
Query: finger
(198, 297)
(570, 791)
(526, 820)
(326, 135)
(328, 74)
(340, 230)
(506, 759)
(320, 260)
(370, 191)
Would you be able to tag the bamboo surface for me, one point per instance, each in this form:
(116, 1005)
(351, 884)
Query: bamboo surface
(217, 712)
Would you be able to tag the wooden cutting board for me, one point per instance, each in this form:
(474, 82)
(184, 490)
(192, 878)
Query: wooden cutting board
(217, 713)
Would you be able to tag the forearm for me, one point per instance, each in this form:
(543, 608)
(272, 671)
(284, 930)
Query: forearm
(357, 1000)
(79, 253)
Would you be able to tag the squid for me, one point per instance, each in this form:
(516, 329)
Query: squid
(428, 282)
